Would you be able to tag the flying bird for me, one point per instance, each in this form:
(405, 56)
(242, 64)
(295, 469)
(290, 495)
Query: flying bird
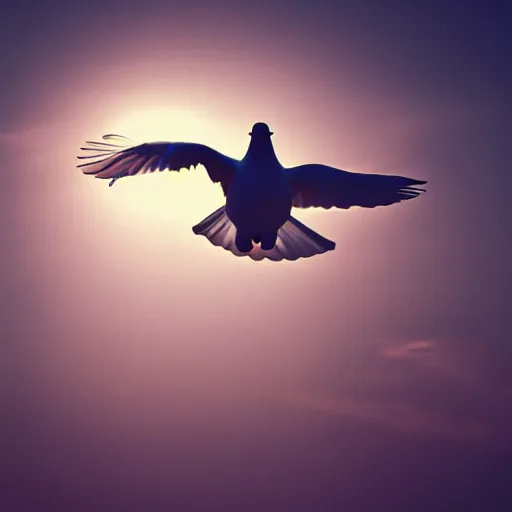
(255, 220)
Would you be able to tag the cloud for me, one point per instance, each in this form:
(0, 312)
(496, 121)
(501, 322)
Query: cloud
(408, 350)
(437, 357)
(425, 386)
(396, 416)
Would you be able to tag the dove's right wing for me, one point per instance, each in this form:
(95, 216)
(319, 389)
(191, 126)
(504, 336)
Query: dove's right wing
(322, 186)
(117, 158)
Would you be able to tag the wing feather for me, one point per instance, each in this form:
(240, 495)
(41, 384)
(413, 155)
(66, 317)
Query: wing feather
(119, 158)
(322, 186)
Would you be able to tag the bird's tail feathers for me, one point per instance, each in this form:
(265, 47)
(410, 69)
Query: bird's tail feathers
(294, 239)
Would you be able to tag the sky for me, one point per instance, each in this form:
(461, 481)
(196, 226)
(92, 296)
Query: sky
(142, 368)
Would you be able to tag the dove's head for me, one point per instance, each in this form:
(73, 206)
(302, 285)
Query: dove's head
(261, 131)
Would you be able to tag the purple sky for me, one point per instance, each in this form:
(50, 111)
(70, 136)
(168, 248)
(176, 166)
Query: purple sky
(143, 369)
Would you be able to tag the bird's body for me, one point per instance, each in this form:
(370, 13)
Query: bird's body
(260, 192)
(259, 200)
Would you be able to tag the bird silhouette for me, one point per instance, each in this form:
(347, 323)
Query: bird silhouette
(260, 193)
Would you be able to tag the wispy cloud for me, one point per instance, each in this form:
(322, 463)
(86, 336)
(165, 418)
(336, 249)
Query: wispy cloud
(437, 357)
(395, 416)
(408, 350)
(420, 386)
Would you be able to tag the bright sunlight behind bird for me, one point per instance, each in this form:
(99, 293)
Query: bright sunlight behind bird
(260, 193)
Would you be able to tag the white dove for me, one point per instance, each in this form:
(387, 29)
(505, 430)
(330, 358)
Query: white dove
(259, 191)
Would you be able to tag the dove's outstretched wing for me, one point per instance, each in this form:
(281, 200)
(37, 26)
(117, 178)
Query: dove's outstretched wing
(120, 157)
(322, 186)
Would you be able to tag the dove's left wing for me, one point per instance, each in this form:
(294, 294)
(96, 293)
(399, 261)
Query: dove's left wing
(322, 186)
(118, 158)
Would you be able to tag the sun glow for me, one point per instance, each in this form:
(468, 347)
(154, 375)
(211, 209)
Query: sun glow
(177, 199)
(176, 124)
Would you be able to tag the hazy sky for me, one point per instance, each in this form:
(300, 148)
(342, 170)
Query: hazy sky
(144, 369)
